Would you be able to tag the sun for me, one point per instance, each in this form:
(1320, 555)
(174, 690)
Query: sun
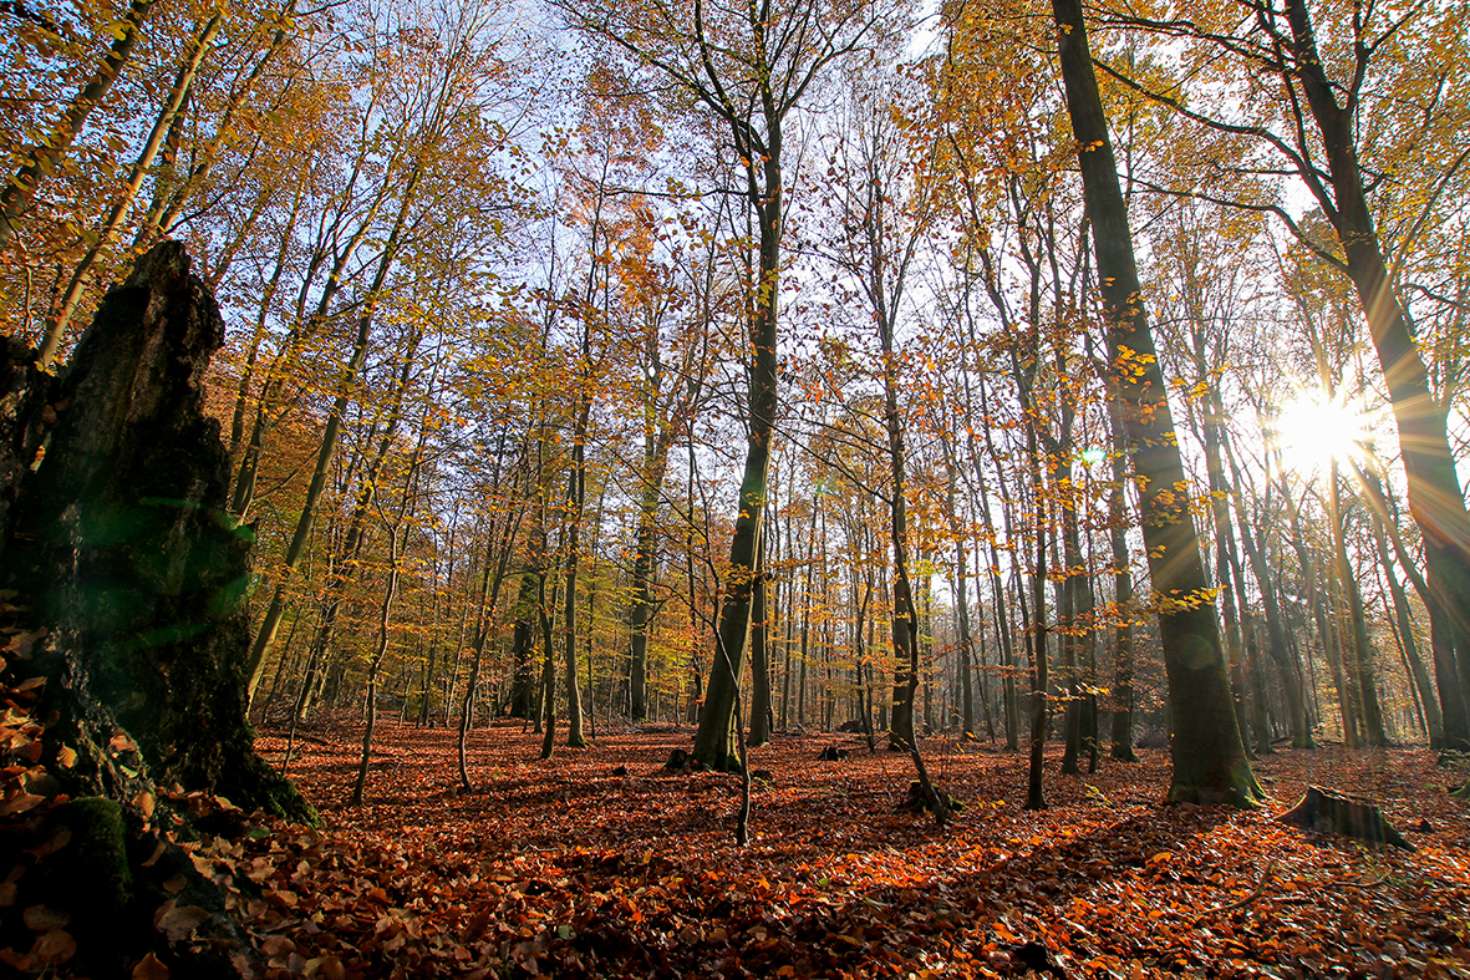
(1314, 429)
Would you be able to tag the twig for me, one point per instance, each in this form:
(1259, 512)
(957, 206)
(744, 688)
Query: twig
(1255, 893)
(1360, 884)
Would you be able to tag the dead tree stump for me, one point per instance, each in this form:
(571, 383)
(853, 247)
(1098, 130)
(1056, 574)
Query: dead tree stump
(1326, 811)
(126, 634)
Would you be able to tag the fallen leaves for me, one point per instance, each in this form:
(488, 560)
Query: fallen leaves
(150, 967)
(178, 922)
(53, 948)
(565, 867)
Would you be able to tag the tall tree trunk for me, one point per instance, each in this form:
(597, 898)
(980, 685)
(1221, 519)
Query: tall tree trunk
(170, 196)
(1231, 598)
(523, 700)
(760, 668)
(497, 557)
(375, 665)
(548, 672)
(1036, 637)
(576, 496)
(1077, 615)
(640, 615)
(1404, 622)
(1123, 653)
(1359, 651)
(1210, 764)
(713, 740)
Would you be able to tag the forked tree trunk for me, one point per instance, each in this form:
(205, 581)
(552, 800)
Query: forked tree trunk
(712, 743)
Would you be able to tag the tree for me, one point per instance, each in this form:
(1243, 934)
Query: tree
(46, 157)
(1208, 755)
(750, 68)
(1376, 64)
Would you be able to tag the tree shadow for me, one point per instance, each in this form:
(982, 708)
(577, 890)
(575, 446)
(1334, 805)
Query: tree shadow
(894, 922)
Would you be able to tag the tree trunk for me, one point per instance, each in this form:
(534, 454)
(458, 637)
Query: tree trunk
(1436, 500)
(760, 668)
(576, 495)
(712, 742)
(43, 159)
(375, 666)
(1358, 653)
(102, 237)
(1210, 764)
(1122, 733)
(497, 557)
(1036, 636)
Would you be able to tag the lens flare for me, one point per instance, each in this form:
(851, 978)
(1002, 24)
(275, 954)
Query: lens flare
(1314, 429)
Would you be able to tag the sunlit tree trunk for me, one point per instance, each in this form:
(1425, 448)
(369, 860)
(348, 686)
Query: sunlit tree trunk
(327, 448)
(548, 667)
(170, 196)
(102, 237)
(499, 537)
(46, 156)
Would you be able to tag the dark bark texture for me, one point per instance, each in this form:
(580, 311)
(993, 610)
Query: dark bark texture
(118, 551)
(1324, 811)
(121, 542)
(1210, 764)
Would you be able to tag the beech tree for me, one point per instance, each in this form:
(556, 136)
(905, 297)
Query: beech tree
(750, 69)
(1208, 754)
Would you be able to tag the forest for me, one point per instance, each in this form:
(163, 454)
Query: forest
(728, 488)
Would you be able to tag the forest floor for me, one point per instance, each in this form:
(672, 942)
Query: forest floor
(564, 867)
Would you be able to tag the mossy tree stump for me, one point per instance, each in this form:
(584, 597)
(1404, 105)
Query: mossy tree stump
(1326, 811)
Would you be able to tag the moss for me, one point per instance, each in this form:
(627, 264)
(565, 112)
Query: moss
(1242, 796)
(283, 801)
(97, 854)
(261, 787)
(1237, 788)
